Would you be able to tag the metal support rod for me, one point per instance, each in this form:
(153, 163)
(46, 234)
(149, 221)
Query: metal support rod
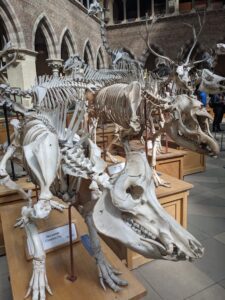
(146, 130)
(103, 136)
(71, 277)
(36, 192)
(166, 143)
(8, 138)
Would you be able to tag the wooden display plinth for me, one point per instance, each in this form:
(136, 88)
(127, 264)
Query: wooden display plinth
(86, 286)
(193, 162)
(174, 200)
(170, 161)
(9, 197)
(3, 135)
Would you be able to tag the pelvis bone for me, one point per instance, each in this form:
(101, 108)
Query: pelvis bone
(131, 213)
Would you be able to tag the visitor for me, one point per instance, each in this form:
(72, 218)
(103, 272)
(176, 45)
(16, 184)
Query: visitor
(217, 102)
(202, 97)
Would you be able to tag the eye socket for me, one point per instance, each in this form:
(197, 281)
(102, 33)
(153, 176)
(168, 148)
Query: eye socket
(135, 191)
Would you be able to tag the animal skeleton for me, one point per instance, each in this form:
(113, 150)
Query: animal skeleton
(128, 105)
(180, 73)
(43, 135)
(121, 59)
(50, 151)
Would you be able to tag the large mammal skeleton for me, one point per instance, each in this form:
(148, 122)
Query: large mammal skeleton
(131, 106)
(50, 151)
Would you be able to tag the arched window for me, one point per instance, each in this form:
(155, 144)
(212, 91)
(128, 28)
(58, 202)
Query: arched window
(100, 60)
(42, 49)
(67, 46)
(150, 62)
(118, 11)
(11, 24)
(44, 41)
(160, 7)
(86, 3)
(65, 54)
(3, 33)
(131, 8)
(88, 55)
(145, 7)
(3, 40)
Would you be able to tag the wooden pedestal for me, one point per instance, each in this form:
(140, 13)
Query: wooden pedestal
(174, 200)
(86, 286)
(193, 162)
(9, 197)
(3, 135)
(170, 162)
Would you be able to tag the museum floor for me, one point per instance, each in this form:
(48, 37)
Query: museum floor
(201, 280)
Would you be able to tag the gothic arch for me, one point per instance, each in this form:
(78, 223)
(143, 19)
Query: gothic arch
(49, 33)
(100, 62)
(12, 24)
(88, 54)
(67, 41)
(147, 58)
(118, 11)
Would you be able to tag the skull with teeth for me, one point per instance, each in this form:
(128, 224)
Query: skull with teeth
(212, 83)
(131, 213)
(188, 125)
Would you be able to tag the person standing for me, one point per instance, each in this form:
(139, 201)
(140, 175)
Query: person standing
(218, 105)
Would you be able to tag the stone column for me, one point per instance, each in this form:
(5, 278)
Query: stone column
(167, 7)
(153, 8)
(209, 4)
(138, 10)
(22, 74)
(124, 11)
(176, 7)
(55, 65)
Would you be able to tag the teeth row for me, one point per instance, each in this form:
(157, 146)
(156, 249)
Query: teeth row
(140, 229)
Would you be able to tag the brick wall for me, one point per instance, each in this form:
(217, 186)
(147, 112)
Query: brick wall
(169, 34)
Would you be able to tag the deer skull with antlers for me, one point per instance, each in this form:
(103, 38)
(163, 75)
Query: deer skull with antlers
(180, 72)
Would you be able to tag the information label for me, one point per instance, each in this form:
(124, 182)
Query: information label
(114, 169)
(54, 238)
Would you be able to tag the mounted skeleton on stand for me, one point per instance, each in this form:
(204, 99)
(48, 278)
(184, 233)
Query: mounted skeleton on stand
(126, 203)
(131, 106)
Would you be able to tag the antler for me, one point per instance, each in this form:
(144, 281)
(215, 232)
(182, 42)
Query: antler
(196, 36)
(147, 40)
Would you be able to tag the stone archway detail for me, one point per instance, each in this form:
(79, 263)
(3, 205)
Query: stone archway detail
(51, 39)
(100, 58)
(12, 24)
(88, 50)
(67, 36)
(145, 54)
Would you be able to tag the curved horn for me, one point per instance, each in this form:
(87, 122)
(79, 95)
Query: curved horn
(147, 40)
(196, 36)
